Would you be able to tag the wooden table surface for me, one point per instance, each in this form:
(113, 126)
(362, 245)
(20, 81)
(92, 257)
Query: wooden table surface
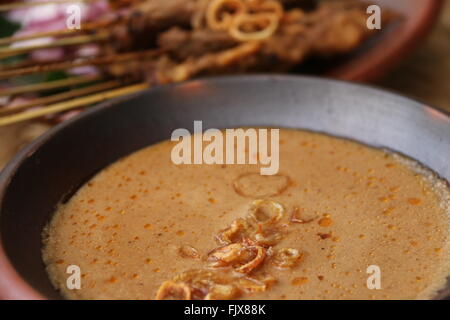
(425, 76)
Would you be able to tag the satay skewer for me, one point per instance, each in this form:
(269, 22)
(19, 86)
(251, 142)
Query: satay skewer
(23, 5)
(90, 26)
(72, 41)
(292, 43)
(61, 97)
(64, 65)
(73, 104)
(45, 86)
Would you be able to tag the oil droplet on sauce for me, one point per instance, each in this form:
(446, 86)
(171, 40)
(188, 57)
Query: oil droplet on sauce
(112, 280)
(325, 222)
(414, 201)
(299, 281)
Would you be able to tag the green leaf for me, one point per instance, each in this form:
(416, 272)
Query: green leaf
(7, 28)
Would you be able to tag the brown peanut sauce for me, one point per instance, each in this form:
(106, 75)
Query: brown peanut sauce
(145, 228)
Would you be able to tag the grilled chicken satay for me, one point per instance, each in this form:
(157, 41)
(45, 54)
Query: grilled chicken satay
(145, 20)
(333, 29)
(170, 25)
(149, 18)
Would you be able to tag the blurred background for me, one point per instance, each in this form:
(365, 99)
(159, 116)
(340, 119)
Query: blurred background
(424, 75)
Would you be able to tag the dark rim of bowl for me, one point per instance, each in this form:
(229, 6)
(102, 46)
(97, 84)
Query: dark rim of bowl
(14, 286)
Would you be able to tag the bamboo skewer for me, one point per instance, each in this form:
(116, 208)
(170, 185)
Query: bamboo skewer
(22, 5)
(29, 63)
(84, 27)
(90, 32)
(45, 86)
(61, 97)
(5, 74)
(12, 51)
(73, 104)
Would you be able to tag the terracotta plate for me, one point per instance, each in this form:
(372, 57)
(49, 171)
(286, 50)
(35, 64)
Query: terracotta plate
(380, 54)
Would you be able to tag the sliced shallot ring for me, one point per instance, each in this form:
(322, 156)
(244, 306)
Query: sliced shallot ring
(264, 239)
(245, 191)
(222, 292)
(255, 262)
(170, 288)
(213, 11)
(187, 251)
(276, 208)
(226, 255)
(236, 32)
(252, 285)
(267, 279)
(286, 258)
(227, 235)
(259, 283)
(296, 217)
